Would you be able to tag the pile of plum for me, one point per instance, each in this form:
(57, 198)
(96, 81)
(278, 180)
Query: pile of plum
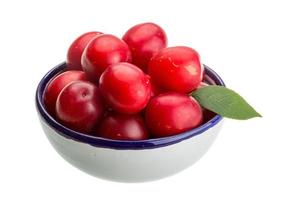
(133, 88)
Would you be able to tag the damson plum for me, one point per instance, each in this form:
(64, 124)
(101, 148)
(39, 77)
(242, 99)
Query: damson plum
(176, 69)
(79, 106)
(172, 113)
(76, 49)
(145, 40)
(123, 127)
(102, 52)
(55, 86)
(125, 87)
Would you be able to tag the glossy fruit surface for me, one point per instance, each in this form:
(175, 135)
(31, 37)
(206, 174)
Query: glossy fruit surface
(102, 52)
(145, 40)
(76, 49)
(172, 113)
(79, 106)
(123, 127)
(55, 86)
(176, 69)
(125, 88)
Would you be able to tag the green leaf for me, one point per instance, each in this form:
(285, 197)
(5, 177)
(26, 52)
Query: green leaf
(224, 102)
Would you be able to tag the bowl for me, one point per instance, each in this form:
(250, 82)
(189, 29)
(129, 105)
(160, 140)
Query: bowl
(128, 161)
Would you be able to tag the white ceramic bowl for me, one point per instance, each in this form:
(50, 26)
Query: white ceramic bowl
(128, 161)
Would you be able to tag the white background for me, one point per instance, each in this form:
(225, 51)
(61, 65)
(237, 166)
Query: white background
(246, 42)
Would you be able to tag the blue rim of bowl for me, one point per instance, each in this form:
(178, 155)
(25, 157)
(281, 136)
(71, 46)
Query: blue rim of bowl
(117, 144)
